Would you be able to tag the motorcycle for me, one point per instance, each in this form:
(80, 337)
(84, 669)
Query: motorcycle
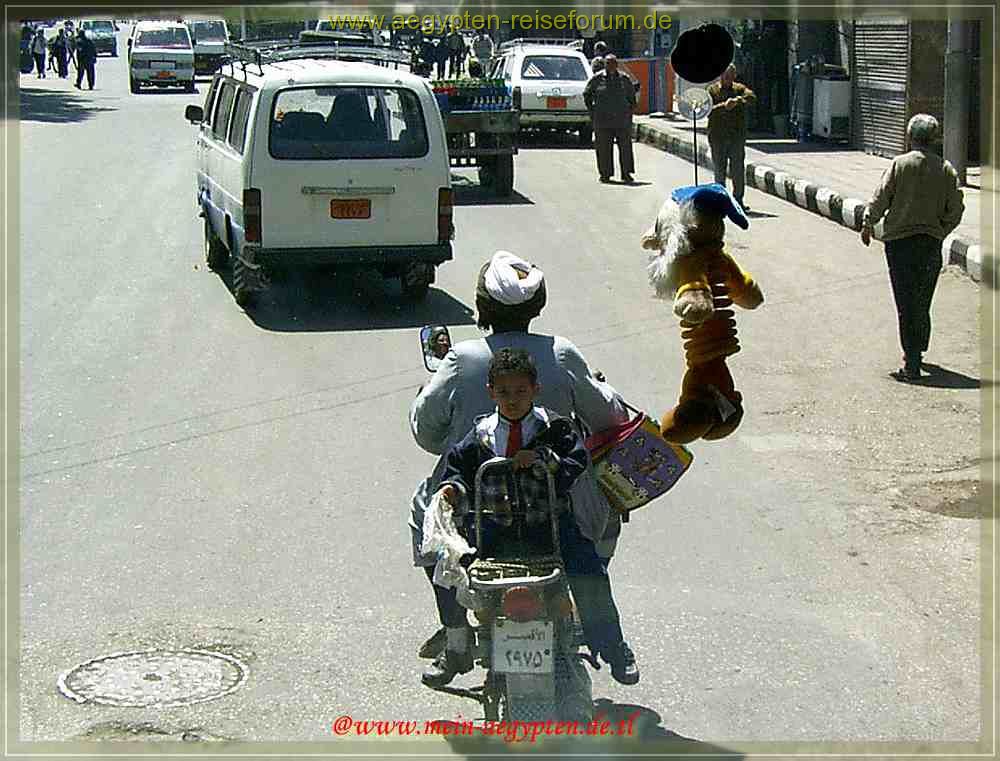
(528, 635)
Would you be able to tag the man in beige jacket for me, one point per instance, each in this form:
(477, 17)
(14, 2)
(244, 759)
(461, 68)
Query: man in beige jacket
(922, 203)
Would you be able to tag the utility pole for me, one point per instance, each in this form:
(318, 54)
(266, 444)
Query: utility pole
(956, 97)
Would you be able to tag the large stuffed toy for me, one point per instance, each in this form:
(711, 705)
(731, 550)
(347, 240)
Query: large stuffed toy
(691, 268)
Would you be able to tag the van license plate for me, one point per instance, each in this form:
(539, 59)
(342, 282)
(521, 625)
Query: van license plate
(164, 75)
(523, 648)
(556, 102)
(360, 208)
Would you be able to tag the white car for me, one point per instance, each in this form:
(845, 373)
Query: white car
(160, 54)
(311, 161)
(551, 80)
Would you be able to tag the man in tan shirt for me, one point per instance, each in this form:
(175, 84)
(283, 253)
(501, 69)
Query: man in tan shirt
(727, 130)
(922, 203)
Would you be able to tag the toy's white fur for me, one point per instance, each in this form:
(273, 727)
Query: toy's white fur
(675, 233)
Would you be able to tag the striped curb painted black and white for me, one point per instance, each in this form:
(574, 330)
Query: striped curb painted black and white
(815, 198)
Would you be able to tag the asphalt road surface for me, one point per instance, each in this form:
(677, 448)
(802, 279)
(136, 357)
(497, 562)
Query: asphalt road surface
(196, 476)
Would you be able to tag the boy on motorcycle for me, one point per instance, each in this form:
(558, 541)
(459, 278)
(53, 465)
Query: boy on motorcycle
(530, 436)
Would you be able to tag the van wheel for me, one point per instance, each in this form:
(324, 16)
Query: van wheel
(216, 253)
(504, 183)
(133, 85)
(241, 291)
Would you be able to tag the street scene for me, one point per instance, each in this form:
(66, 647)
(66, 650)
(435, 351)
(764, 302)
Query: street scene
(285, 285)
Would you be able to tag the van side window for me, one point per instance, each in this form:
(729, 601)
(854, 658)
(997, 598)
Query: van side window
(241, 115)
(223, 108)
(210, 99)
(508, 67)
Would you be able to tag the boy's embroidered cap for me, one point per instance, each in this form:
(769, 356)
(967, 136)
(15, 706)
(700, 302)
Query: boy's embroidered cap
(712, 197)
(510, 280)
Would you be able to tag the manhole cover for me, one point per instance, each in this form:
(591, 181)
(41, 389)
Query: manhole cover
(154, 678)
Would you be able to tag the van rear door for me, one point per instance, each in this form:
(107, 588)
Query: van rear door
(346, 166)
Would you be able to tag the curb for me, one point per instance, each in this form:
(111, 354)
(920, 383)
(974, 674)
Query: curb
(820, 200)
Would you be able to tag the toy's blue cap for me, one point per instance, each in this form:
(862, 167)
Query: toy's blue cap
(712, 197)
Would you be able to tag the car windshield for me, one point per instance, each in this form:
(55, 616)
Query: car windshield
(553, 67)
(99, 26)
(347, 123)
(208, 30)
(164, 38)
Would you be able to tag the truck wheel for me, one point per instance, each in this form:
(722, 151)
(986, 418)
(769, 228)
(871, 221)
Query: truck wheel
(487, 171)
(216, 253)
(133, 85)
(586, 136)
(504, 184)
(241, 291)
(416, 280)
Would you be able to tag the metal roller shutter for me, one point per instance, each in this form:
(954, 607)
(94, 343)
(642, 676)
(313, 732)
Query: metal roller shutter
(881, 57)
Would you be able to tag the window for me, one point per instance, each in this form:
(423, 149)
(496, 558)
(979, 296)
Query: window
(208, 31)
(223, 107)
(241, 115)
(174, 37)
(553, 67)
(347, 123)
(210, 99)
(98, 26)
(508, 67)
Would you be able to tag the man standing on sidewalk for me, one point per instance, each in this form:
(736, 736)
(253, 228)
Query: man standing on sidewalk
(610, 98)
(922, 203)
(727, 130)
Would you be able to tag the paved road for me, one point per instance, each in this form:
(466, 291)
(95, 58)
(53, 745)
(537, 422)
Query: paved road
(196, 476)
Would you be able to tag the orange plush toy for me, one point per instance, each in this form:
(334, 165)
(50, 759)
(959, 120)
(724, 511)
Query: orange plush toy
(692, 268)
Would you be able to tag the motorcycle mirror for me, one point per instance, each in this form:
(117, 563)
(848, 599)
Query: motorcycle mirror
(435, 341)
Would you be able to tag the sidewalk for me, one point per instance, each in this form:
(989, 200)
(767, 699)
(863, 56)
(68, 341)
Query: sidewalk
(825, 178)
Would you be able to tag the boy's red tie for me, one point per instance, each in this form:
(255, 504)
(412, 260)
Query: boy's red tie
(514, 439)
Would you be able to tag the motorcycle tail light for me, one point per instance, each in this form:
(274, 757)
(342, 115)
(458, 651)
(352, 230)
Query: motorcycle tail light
(521, 604)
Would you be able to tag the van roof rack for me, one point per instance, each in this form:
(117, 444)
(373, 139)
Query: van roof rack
(260, 52)
(560, 41)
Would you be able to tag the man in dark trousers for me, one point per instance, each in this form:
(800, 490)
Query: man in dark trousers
(86, 56)
(610, 98)
(922, 203)
(727, 130)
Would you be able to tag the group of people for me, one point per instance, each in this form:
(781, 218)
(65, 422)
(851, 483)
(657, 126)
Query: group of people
(449, 53)
(62, 49)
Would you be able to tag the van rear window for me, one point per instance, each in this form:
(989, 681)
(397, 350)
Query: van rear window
(347, 123)
(175, 37)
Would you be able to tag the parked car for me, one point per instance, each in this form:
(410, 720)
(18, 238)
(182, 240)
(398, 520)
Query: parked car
(313, 161)
(209, 38)
(160, 55)
(551, 80)
(102, 34)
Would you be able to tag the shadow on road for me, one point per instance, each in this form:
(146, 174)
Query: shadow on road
(322, 301)
(751, 214)
(646, 735)
(55, 106)
(468, 192)
(540, 139)
(940, 377)
(785, 145)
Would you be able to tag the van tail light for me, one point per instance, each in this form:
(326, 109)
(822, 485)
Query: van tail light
(251, 215)
(446, 227)
(521, 604)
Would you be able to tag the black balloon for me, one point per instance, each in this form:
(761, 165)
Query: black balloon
(703, 53)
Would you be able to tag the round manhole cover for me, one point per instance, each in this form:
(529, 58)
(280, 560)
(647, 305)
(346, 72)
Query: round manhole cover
(154, 678)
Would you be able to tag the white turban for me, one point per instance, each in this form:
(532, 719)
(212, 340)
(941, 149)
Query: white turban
(511, 280)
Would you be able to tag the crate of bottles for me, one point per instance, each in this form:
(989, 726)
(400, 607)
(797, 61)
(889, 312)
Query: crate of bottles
(471, 95)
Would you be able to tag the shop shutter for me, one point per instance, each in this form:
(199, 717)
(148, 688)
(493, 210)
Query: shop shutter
(881, 57)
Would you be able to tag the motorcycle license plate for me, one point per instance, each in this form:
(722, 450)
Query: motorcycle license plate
(355, 209)
(523, 648)
(553, 102)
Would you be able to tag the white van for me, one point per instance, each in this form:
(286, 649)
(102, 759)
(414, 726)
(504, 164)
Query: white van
(307, 161)
(160, 53)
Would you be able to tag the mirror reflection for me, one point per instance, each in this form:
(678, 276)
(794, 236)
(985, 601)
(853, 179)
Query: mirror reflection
(435, 340)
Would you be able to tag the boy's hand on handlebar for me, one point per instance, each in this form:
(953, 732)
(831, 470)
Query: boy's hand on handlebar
(449, 494)
(525, 459)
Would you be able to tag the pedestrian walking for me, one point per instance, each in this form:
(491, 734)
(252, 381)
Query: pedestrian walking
(456, 52)
(60, 53)
(922, 203)
(727, 130)
(482, 49)
(610, 98)
(441, 56)
(86, 56)
(38, 48)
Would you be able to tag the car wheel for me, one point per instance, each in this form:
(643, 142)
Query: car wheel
(504, 184)
(216, 253)
(133, 85)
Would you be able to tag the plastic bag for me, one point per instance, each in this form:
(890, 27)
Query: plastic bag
(441, 538)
